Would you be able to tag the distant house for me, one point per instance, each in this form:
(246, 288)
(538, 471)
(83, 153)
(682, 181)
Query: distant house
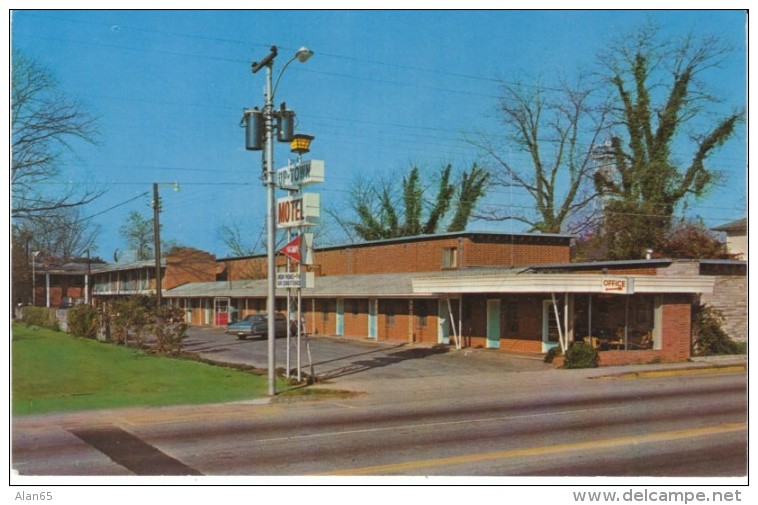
(736, 237)
(61, 286)
(138, 277)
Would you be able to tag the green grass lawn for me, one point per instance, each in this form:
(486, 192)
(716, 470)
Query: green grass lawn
(56, 372)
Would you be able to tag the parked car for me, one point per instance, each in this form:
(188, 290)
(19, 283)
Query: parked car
(256, 325)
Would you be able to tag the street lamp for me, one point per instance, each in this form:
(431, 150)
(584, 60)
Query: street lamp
(301, 143)
(267, 120)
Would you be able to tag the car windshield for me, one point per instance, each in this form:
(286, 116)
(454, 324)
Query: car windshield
(262, 317)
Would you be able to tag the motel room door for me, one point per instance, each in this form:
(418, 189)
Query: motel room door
(373, 310)
(493, 324)
(340, 317)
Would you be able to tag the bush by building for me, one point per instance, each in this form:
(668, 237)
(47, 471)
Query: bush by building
(40, 316)
(710, 337)
(83, 321)
(581, 355)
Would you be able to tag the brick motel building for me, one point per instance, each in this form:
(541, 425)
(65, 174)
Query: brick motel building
(501, 291)
(512, 292)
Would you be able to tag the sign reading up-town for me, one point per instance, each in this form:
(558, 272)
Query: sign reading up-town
(300, 174)
(618, 285)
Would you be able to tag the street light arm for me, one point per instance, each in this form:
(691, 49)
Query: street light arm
(278, 77)
(302, 55)
(265, 62)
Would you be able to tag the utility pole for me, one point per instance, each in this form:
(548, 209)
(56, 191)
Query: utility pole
(157, 238)
(260, 127)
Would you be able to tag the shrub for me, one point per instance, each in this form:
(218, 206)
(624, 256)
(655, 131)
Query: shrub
(710, 337)
(131, 319)
(552, 353)
(128, 317)
(40, 316)
(169, 329)
(581, 355)
(83, 321)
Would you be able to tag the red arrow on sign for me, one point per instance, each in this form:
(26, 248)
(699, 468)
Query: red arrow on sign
(292, 249)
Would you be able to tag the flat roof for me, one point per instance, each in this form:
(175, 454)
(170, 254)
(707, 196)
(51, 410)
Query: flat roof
(656, 262)
(419, 238)
(434, 284)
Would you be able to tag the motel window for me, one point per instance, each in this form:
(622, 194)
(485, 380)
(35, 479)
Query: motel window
(450, 257)
(387, 308)
(326, 307)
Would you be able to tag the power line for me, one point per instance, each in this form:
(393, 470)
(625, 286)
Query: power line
(111, 208)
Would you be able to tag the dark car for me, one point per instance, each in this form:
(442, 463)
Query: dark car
(256, 325)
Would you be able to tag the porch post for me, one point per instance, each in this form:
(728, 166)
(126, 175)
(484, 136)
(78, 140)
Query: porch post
(558, 323)
(626, 323)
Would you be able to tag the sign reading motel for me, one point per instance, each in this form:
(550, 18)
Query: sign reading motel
(300, 210)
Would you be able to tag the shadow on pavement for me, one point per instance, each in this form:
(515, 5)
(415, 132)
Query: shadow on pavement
(381, 361)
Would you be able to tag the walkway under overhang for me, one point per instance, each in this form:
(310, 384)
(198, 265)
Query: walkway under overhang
(555, 285)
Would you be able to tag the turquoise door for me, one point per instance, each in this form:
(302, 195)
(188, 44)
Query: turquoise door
(340, 317)
(493, 324)
(372, 311)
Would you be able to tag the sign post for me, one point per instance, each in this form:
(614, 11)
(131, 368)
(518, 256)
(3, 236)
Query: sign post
(298, 210)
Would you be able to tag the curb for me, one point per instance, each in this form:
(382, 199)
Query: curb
(672, 372)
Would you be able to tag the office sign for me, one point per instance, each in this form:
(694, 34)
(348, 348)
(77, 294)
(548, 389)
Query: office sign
(618, 285)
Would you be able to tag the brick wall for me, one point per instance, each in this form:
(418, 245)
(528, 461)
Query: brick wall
(417, 256)
(61, 287)
(188, 265)
(513, 254)
(677, 327)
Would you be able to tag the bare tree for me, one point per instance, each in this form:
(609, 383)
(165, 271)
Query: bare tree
(138, 231)
(44, 122)
(233, 236)
(63, 235)
(557, 131)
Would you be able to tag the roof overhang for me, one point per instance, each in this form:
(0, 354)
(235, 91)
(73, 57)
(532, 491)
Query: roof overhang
(563, 283)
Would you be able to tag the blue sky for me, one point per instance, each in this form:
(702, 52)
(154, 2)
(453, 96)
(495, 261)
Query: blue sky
(383, 91)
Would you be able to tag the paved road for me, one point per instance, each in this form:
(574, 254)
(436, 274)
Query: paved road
(423, 412)
(528, 424)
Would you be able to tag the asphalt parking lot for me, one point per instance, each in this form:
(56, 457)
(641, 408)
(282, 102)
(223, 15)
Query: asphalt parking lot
(339, 359)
